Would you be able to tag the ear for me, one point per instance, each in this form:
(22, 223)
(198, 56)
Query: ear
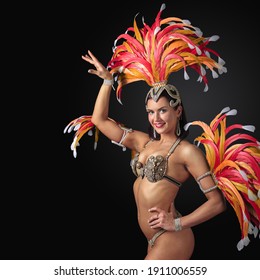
(179, 111)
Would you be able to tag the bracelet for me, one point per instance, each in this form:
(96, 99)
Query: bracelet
(108, 82)
(177, 224)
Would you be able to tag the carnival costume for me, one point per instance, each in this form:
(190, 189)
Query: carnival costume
(151, 54)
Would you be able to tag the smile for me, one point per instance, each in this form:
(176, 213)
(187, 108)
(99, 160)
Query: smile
(158, 125)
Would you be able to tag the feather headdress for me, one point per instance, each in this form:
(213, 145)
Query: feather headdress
(234, 160)
(152, 53)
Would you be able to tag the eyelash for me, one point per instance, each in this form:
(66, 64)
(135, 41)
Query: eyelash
(162, 111)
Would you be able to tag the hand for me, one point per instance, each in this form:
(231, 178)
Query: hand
(161, 218)
(101, 70)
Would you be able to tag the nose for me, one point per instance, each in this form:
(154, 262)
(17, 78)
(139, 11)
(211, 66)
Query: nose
(156, 116)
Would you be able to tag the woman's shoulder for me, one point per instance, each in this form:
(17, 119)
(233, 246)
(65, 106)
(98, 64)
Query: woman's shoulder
(189, 149)
(193, 156)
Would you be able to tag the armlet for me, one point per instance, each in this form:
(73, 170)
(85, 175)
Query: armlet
(126, 131)
(209, 173)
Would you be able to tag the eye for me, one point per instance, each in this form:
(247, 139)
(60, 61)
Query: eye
(149, 112)
(163, 110)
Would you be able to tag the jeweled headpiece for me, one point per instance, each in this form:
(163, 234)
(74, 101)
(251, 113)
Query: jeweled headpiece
(158, 88)
(153, 52)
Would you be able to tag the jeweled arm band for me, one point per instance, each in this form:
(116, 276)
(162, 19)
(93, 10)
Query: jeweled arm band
(209, 173)
(126, 131)
(177, 224)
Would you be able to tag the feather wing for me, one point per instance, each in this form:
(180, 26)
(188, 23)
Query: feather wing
(234, 160)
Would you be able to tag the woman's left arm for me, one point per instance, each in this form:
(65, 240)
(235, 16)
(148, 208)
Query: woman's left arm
(198, 167)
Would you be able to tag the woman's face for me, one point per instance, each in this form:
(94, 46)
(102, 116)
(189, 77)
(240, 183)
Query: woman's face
(162, 117)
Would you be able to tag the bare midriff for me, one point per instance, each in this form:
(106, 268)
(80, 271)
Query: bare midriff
(147, 195)
(161, 194)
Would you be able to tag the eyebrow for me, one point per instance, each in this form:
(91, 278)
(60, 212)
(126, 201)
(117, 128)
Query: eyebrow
(163, 107)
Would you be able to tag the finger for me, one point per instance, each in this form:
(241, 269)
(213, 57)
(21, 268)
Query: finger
(92, 56)
(90, 53)
(85, 56)
(154, 209)
(153, 222)
(155, 226)
(153, 218)
(92, 71)
(88, 59)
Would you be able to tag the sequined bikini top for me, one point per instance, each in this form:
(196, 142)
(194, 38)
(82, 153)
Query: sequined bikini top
(156, 166)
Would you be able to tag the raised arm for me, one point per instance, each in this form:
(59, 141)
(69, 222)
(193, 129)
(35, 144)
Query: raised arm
(100, 117)
(100, 113)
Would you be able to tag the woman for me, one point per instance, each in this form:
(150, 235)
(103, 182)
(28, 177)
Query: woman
(155, 193)
(163, 159)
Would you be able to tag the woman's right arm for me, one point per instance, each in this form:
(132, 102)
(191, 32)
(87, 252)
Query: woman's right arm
(100, 116)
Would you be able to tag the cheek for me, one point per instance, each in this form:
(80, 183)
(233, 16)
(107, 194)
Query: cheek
(166, 117)
(169, 118)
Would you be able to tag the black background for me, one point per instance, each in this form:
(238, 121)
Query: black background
(57, 207)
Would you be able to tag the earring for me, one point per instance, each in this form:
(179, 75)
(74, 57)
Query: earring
(178, 130)
(154, 133)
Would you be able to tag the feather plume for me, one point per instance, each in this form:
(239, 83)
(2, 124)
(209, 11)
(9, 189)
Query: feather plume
(152, 53)
(234, 160)
(83, 125)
